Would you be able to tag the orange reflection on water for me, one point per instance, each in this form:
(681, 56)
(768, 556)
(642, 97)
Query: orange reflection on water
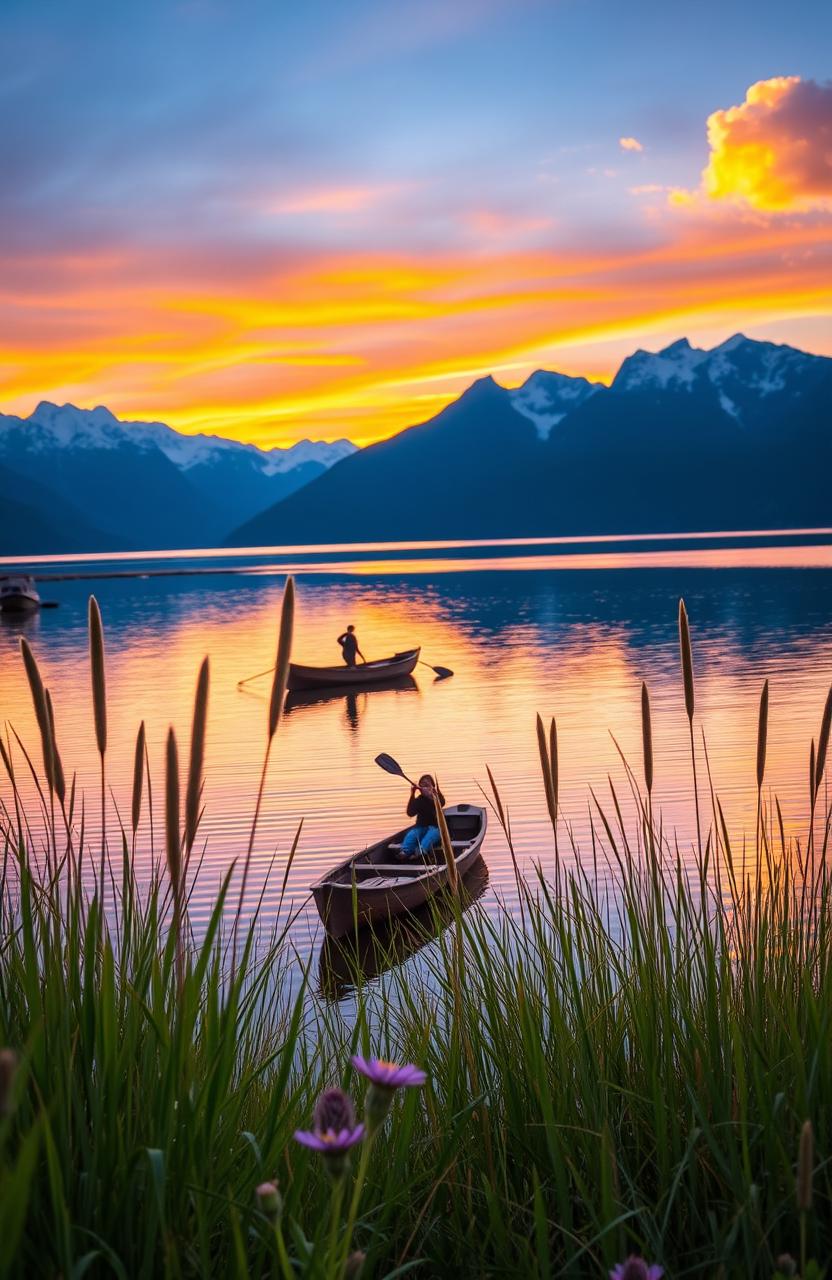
(575, 645)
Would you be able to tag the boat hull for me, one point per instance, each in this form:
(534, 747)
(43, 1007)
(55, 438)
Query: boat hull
(346, 904)
(344, 677)
(18, 594)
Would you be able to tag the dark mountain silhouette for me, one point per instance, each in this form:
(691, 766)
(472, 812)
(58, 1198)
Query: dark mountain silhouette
(149, 485)
(683, 440)
(34, 520)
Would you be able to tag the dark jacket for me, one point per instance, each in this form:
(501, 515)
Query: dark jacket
(423, 809)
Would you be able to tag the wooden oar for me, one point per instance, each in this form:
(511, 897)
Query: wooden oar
(389, 765)
(248, 679)
(442, 672)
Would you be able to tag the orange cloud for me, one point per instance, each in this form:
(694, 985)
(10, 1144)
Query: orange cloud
(774, 151)
(630, 144)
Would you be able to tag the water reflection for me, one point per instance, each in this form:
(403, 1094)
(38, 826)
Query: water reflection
(347, 962)
(354, 700)
(521, 641)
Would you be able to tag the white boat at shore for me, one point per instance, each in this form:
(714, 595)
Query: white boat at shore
(18, 594)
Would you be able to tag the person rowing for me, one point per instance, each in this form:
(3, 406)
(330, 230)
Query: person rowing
(349, 646)
(423, 836)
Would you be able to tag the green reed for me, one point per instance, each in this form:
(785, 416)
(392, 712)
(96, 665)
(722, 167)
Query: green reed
(639, 1060)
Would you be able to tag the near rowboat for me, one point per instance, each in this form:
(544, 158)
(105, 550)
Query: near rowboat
(401, 664)
(370, 886)
(359, 957)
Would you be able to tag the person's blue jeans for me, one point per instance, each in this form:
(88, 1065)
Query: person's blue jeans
(419, 840)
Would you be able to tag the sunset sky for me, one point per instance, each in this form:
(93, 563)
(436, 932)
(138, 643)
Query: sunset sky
(274, 221)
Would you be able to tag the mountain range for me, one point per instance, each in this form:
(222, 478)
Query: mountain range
(684, 439)
(80, 480)
(737, 437)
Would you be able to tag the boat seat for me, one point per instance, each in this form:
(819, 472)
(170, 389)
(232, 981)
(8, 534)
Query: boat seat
(385, 882)
(455, 844)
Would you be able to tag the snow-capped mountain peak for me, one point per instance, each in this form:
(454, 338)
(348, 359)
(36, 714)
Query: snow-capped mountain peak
(53, 426)
(545, 398)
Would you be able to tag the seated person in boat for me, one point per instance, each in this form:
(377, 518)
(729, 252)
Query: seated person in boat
(349, 646)
(423, 836)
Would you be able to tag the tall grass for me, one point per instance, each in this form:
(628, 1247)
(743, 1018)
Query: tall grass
(637, 1060)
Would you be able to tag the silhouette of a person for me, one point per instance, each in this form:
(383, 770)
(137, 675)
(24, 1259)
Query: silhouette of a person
(349, 646)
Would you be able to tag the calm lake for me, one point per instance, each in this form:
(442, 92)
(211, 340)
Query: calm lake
(568, 628)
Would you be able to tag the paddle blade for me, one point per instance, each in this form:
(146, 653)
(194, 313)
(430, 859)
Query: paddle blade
(389, 765)
(443, 672)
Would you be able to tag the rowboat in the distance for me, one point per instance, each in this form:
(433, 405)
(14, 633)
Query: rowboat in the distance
(371, 886)
(363, 673)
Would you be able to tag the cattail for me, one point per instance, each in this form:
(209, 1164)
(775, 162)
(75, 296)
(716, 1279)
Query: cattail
(99, 686)
(8, 1067)
(173, 844)
(812, 782)
(194, 790)
(498, 804)
(284, 654)
(354, 1264)
(687, 658)
(762, 735)
(447, 847)
(58, 769)
(647, 738)
(41, 711)
(805, 1167)
(553, 760)
(546, 770)
(823, 739)
(138, 777)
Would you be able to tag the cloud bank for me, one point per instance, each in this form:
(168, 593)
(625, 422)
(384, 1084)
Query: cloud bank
(774, 151)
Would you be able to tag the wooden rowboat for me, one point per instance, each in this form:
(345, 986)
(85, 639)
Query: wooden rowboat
(371, 886)
(360, 957)
(401, 664)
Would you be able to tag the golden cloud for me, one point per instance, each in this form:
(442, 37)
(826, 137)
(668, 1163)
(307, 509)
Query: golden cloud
(774, 151)
(630, 144)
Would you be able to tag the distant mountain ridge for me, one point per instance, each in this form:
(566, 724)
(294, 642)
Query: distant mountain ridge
(736, 437)
(138, 484)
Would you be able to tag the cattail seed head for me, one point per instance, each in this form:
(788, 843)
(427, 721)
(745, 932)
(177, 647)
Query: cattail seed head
(647, 738)
(284, 655)
(99, 684)
(38, 693)
(354, 1265)
(57, 767)
(812, 781)
(762, 735)
(805, 1167)
(546, 770)
(194, 791)
(687, 658)
(823, 738)
(173, 844)
(138, 777)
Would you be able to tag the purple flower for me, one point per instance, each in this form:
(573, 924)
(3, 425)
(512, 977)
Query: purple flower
(384, 1078)
(334, 1110)
(389, 1075)
(636, 1268)
(335, 1130)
